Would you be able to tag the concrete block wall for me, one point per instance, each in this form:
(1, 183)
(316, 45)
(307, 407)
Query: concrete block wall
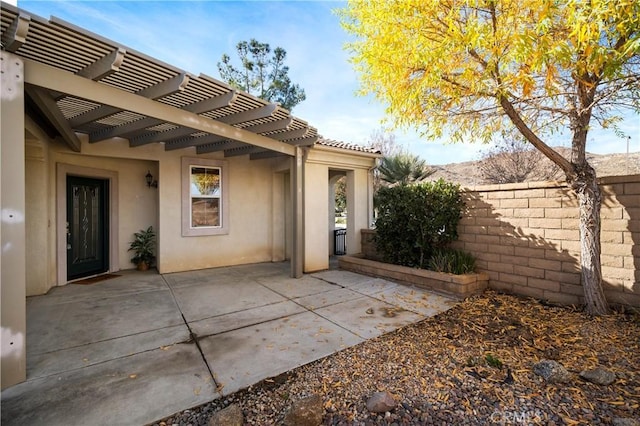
(368, 244)
(526, 237)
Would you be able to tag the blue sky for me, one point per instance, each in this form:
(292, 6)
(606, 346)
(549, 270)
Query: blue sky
(193, 36)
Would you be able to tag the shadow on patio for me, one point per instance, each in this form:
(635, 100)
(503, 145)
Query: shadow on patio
(146, 346)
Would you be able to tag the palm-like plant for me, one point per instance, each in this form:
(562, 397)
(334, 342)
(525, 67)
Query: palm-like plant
(143, 246)
(403, 169)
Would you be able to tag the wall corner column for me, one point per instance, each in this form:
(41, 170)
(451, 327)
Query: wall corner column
(357, 208)
(12, 223)
(370, 195)
(297, 197)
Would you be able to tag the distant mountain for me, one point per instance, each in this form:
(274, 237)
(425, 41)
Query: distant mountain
(468, 173)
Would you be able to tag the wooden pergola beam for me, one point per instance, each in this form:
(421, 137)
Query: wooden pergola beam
(62, 81)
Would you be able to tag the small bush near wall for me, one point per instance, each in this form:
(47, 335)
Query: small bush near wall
(415, 221)
(452, 262)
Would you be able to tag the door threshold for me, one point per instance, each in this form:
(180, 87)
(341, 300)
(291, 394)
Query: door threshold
(95, 278)
(90, 277)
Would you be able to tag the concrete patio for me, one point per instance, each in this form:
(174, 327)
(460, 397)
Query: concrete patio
(150, 345)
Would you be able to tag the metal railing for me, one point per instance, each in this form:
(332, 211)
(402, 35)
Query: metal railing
(340, 241)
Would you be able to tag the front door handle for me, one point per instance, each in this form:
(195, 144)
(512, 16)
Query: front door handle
(68, 237)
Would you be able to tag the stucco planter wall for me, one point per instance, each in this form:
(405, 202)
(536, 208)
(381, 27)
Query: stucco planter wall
(461, 286)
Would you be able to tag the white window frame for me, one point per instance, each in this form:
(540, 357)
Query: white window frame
(187, 229)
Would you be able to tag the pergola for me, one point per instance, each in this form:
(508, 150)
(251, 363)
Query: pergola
(77, 82)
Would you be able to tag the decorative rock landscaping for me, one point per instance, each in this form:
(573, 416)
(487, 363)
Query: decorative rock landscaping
(475, 364)
(305, 412)
(381, 402)
(552, 371)
(599, 376)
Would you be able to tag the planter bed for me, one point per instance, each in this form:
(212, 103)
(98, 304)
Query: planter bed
(461, 286)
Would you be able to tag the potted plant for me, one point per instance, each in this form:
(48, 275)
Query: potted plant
(143, 245)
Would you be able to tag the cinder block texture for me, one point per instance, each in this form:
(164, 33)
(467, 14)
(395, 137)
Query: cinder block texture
(526, 238)
(537, 253)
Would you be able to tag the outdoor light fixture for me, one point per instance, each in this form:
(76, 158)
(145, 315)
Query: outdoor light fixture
(150, 181)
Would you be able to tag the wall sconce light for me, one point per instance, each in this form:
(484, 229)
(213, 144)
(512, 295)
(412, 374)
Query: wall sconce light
(150, 181)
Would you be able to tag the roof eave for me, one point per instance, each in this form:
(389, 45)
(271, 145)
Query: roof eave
(346, 151)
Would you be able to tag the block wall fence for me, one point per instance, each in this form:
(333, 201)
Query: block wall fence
(526, 237)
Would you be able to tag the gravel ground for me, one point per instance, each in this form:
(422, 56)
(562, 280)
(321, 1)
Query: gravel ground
(471, 365)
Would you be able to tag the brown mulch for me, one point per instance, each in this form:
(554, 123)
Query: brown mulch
(469, 365)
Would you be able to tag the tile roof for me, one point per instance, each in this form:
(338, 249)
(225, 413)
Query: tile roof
(344, 145)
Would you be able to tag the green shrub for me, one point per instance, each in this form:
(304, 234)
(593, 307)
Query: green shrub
(493, 361)
(414, 221)
(452, 261)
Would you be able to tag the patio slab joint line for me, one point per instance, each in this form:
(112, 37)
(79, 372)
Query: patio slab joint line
(372, 296)
(328, 282)
(192, 335)
(248, 324)
(313, 310)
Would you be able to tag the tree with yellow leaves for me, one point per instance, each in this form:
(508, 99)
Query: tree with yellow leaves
(478, 67)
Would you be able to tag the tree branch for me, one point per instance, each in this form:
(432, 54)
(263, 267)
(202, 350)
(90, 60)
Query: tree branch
(466, 88)
(550, 153)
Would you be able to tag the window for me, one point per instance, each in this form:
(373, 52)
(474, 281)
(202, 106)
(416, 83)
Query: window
(205, 196)
(204, 202)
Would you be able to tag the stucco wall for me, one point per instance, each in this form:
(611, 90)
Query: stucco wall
(359, 188)
(251, 210)
(279, 215)
(526, 237)
(316, 208)
(259, 223)
(37, 215)
(137, 204)
(323, 163)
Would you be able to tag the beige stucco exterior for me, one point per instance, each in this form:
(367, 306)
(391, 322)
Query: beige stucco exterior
(322, 164)
(267, 221)
(258, 200)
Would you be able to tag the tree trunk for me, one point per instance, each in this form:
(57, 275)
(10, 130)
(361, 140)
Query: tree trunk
(590, 200)
(582, 178)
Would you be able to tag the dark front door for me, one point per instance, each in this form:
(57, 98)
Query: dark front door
(87, 227)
